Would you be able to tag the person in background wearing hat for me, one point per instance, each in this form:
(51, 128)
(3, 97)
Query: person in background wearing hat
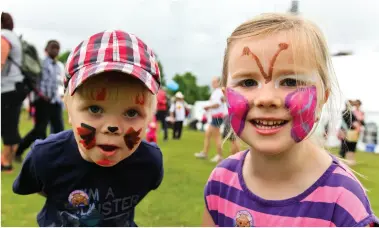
(96, 173)
(178, 114)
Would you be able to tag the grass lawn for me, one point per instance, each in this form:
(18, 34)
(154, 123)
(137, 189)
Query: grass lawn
(178, 201)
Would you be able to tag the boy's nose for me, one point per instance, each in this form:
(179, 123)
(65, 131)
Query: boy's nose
(112, 129)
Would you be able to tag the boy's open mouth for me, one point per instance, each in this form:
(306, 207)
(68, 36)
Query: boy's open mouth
(268, 124)
(108, 148)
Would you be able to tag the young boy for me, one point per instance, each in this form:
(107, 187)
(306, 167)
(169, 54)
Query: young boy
(95, 174)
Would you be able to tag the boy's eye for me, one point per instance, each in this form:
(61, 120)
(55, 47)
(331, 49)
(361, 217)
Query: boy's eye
(95, 109)
(131, 113)
(249, 83)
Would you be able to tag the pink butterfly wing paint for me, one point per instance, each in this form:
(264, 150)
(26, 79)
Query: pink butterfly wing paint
(302, 105)
(238, 107)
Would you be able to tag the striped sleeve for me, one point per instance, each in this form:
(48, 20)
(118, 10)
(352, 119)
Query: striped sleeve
(223, 177)
(209, 204)
(352, 206)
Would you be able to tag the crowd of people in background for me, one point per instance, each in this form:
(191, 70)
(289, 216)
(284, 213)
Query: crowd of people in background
(45, 102)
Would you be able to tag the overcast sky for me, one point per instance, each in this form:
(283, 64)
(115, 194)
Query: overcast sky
(188, 35)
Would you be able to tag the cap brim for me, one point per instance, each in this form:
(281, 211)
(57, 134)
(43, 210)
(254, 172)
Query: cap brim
(89, 71)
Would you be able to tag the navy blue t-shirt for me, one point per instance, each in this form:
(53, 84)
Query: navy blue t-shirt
(81, 193)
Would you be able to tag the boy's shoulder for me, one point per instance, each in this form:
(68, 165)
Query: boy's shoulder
(54, 144)
(149, 152)
(54, 151)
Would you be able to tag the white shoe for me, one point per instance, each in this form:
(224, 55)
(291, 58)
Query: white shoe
(216, 158)
(201, 155)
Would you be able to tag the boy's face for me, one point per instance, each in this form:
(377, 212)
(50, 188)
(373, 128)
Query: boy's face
(109, 114)
(53, 50)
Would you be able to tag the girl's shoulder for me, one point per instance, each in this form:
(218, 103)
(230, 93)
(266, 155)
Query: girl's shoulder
(227, 170)
(343, 189)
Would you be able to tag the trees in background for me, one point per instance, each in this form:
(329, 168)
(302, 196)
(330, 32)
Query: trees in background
(191, 90)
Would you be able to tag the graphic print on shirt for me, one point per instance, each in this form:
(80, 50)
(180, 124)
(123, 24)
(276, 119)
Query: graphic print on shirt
(87, 208)
(243, 219)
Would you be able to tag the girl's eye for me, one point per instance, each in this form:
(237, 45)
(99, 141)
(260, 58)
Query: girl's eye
(291, 82)
(131, 113)
(249, 83)
(94, 109)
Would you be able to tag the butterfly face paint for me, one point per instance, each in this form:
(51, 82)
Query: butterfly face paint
(238, 107)
(87, 133)
(132, 138)
(246, 51)
(302, 106)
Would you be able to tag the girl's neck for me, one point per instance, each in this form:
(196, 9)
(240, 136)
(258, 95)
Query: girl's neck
(286, 165)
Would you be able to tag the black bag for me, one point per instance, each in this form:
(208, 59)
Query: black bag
(30, 67)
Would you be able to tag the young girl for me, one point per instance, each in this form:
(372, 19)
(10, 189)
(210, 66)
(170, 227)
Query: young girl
(276, 81)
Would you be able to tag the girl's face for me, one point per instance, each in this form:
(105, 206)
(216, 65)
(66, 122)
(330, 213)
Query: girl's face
(109, 118)
(272, 92)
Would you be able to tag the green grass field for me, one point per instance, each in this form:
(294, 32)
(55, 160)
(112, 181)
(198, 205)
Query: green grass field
(179, 199)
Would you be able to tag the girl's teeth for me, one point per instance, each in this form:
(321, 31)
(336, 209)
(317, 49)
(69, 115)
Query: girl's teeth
(267, 127)
(270, 123)
(264, 124)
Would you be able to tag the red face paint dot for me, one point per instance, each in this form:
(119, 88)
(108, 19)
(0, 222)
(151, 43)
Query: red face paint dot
(283, 46)
(101, 94)
(140, 99)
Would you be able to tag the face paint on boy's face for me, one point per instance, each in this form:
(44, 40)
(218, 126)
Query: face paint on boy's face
(100, 95)
(87, 134)
(302, 106)
(132, 138)
(246, 51)
(238, 107)
(140, 99)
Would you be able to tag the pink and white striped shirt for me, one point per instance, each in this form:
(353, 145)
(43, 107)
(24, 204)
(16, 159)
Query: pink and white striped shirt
(335, 199)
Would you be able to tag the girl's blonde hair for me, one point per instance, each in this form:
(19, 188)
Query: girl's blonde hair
(307, 42)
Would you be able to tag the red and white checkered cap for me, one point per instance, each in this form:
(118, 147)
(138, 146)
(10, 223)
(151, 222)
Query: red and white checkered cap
(112, 50)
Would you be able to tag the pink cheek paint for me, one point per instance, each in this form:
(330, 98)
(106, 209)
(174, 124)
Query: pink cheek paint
(302, 105)
(238, 107)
